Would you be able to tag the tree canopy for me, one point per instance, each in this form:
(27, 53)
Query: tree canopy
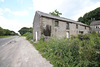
(24, 30)
(90, 16)
(6, 32)
(55, 13)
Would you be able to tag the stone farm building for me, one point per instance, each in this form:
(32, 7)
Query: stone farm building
(95, 26)
(54, 26)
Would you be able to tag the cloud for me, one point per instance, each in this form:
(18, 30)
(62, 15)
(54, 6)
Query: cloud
(12, 24)
(1, 11)
(46, 5)
(2, 0)
(31, 8)
(10, 19)
(72, 9)
(7, 10)
(17, 13)
(81, 12)
(20, 13)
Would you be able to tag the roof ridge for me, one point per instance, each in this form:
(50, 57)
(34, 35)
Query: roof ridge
(60, 18)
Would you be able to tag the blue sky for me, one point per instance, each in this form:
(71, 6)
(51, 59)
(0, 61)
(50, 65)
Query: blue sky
(15, 14)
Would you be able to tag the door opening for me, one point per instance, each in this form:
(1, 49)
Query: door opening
(47, 31)
(67, 34)
(36, 35)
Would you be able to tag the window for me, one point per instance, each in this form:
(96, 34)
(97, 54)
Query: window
(81, 32)
(76, 26)
(85, 27)
(67, 25)
(56, 23)
(97, 26)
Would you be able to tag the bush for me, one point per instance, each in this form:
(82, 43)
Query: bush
(80, 51)
(29, 36)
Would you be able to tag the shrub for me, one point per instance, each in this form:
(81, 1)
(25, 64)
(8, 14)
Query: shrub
(80, 51)
(29, 36)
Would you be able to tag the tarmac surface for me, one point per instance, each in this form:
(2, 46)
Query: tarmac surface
(18, 52)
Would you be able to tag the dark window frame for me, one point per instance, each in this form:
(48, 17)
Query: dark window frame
(76, 26)
(85, 27)
(67, 25)
(56, 23)
(81, 32)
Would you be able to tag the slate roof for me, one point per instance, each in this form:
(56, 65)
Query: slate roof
(59, 18)
(95, 23)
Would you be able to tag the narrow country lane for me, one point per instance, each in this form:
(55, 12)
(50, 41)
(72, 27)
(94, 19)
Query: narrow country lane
(20, 53)
(6, 40)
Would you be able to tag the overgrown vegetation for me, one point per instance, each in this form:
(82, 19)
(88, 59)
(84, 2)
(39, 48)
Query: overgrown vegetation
(27, 32)
(28, 35)
(81, 51)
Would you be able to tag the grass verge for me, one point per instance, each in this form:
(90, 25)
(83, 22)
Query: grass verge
(4, 36)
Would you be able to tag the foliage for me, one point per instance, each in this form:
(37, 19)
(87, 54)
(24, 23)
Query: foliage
(90, 16)
(80, 51)
(28, 35)
(2, 31)
(56, 13)
(6, 32)
(25, 30)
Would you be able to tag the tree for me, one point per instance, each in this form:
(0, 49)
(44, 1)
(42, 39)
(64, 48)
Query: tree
(2, 31)
(25, 30)
(13, 33)
(55, 13)
(90, 16)
(6, 32)
(31, 30)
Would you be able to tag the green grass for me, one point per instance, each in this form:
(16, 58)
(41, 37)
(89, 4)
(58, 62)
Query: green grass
(81, 51)
(4, 36)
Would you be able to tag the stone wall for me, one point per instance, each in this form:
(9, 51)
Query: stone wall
(60, 31)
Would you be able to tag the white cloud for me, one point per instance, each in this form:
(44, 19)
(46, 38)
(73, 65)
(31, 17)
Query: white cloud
(17, 13)
(7, 10)
(12, 24)
(46, 5)
(20, 13)
(81, 12)
(1, 11)
(2, 0)
(72, 9)
(31, 8)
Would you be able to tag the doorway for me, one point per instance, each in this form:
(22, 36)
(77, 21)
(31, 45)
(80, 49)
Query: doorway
(67, 34)
(47, 30)
(36, 35)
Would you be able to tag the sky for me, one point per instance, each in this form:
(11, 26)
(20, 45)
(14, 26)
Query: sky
(15, 14)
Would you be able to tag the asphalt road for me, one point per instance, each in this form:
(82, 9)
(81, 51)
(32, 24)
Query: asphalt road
(6, 40)
(18, 52)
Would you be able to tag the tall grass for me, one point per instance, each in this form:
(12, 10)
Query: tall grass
(81, 51)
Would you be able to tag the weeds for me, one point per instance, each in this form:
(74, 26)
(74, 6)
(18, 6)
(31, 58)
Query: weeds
(80, 51)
